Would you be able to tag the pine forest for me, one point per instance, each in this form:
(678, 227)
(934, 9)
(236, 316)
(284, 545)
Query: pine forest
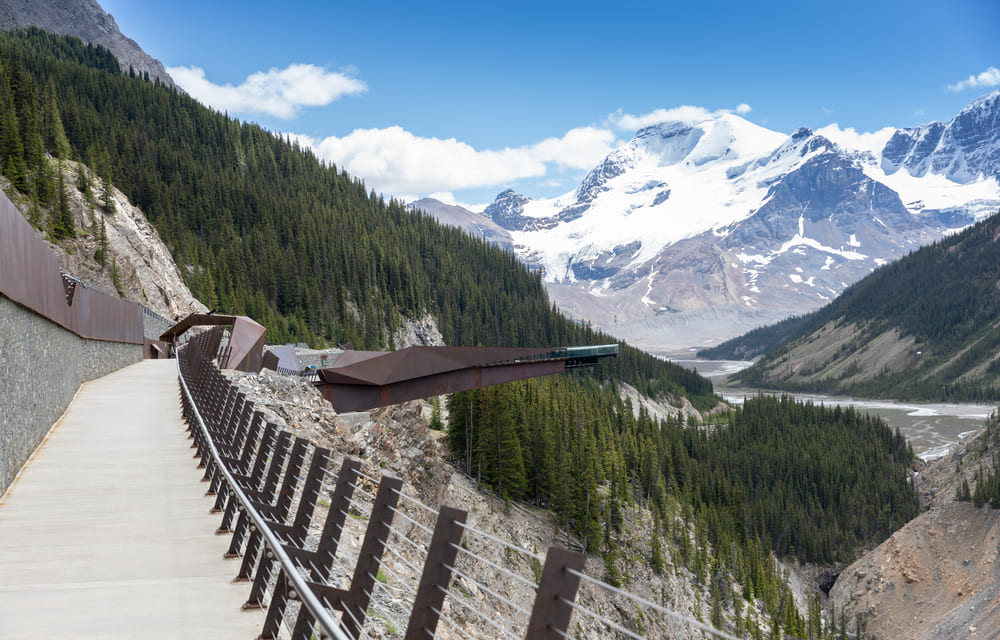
(260, 227)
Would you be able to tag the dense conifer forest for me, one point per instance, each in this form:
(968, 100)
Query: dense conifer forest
(807, 481)
(261, 227)
(756, 342)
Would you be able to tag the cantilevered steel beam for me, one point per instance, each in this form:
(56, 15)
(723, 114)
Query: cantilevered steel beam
(361, 380)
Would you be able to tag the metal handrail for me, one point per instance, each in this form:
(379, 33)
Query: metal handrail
(291, 570)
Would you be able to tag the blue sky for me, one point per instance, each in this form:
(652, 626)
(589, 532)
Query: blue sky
(464, 100)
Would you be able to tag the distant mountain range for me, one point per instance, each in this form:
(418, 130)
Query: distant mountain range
(694, 232)
(86, 20)
(474, 224)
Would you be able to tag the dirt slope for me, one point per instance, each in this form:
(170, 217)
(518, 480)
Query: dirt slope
(937, 577)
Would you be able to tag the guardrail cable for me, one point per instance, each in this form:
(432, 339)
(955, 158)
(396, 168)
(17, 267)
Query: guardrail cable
(273, 490)
(646, 603)
(509, 545)
(507, 572)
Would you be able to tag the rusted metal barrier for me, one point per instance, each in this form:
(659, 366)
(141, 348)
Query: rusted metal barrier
(271, 483)
(30, 276)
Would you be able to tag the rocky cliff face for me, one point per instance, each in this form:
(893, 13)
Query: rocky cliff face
(137, 266)
(963, 150)
(86, 20)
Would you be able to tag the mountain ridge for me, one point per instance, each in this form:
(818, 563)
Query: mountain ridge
(925, 327)
(86, 20)
(723, 213)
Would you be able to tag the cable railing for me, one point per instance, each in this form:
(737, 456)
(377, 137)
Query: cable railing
(379, 563)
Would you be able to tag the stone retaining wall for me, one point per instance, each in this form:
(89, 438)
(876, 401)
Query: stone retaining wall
(41, 367)
(153, 325)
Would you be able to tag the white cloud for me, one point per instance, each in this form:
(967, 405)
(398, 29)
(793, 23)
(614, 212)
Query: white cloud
(849, 138)
(278, 92)
(396, 161)
(685, 113)
(580, 148)
(988, 78)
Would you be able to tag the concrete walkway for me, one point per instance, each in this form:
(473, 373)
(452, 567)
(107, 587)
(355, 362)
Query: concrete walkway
(107, 532)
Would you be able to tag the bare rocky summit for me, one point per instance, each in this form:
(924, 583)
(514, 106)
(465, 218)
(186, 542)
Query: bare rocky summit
(86, 20)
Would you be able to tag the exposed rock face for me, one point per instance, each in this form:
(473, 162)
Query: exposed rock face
(86, 20)
(963, 150)
(508, 212)
(938, 577)
(138, 266)
(422, 332)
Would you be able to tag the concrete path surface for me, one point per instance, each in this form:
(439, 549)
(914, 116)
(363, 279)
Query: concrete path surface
(107, 532)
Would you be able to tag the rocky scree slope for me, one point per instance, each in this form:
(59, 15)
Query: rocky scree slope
(725, 215)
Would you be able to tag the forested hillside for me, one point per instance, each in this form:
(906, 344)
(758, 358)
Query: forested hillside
(259, 226)
(926, 327)
(808, 481)
(775, 475)
(756, 342)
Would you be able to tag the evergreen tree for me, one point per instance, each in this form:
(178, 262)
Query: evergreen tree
(62, 223)
(101, 254)
(107, 188)
(54, 134)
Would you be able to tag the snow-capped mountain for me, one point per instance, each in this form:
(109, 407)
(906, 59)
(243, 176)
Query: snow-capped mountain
(693, 232)
(963, 150)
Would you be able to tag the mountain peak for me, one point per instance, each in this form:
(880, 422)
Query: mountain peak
(964, 150)
(84, 19)
(802, 132)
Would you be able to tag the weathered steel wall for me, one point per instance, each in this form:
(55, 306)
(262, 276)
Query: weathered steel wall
(47, 346)
(30, 276)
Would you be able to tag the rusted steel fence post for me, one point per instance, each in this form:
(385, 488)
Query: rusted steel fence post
(355, 600)
(436, 574)
(320, 562)
(557, 588)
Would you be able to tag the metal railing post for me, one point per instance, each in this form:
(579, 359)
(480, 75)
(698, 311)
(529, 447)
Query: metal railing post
(551, 611)
(436, 574)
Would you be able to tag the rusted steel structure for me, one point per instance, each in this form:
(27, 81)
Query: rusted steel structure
(361, 380)
(30, 276)
(267, 484)
(246, 340)
(282, 357)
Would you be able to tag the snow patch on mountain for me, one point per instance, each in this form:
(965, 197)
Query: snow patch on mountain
(661, 187)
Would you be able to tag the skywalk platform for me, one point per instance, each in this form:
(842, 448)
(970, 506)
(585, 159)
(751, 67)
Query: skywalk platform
(107, 532)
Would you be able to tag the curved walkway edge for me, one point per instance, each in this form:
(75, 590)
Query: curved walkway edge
(107, 531)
